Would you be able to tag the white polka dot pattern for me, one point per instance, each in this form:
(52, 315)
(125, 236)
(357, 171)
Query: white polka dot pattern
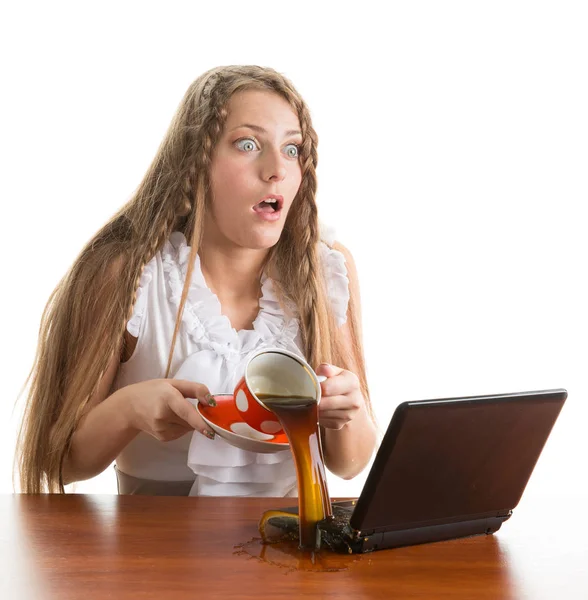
(241, 401)
(247, 431)
(271, 427)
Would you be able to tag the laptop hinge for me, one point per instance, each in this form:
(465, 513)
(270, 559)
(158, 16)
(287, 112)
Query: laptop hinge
(372, 542)
(434, 533)
(502, 514)
(360, 534)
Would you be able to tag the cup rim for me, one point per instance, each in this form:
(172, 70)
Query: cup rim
(300, 361)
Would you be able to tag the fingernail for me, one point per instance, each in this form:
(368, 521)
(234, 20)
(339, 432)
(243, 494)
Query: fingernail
(210, 399)
(209, 434)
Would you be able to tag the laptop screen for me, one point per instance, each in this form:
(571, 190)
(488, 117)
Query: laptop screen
(442, 460)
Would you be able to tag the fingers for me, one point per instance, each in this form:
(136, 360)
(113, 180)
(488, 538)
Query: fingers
(172, 431)
(342, 383)
(335, 419)
(328, 370)
(187, 414)
(347, 402)
(191, 389)
(336, 411)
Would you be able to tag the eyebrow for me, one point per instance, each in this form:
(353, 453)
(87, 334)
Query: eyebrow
(262, 130)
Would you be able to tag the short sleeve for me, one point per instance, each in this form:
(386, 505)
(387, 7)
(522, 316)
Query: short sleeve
(337, 282)
(134, 323)
(327, 233)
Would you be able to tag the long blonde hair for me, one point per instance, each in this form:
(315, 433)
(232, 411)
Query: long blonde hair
(85, 318)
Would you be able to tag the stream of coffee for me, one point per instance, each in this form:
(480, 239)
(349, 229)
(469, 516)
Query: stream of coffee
(299, 418)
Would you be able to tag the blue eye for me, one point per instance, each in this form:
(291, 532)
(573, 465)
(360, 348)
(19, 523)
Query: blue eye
(297, 150)
(249, 141)
(249, 144)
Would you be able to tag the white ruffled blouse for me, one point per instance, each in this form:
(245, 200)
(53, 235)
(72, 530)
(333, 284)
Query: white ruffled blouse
(210, 351)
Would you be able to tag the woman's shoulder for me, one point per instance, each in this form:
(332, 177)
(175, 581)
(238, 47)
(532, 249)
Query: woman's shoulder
(336, 257)
(161, 286)
(338, 265)
(329, 237)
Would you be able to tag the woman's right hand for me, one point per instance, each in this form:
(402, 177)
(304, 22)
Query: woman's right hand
(159, 407)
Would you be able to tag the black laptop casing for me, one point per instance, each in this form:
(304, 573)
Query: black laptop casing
(446, 468)
(452, 467)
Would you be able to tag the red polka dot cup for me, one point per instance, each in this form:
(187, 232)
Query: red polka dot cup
(273, 372)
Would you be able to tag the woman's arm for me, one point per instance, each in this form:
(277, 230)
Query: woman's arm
(349, 434)
(157, 407)
(104, 430)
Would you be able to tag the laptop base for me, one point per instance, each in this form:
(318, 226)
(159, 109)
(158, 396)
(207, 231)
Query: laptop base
(338, 536)
(434, 533)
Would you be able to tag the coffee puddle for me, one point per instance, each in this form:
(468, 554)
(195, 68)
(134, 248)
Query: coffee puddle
(279, 543)
(289, 556)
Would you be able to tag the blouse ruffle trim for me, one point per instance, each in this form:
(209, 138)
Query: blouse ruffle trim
(337, 282)
(134, 323)
(202, 316)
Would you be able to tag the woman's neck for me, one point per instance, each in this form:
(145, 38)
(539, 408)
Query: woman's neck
(232, 273)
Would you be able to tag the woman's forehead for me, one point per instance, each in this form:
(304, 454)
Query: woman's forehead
(261, 108)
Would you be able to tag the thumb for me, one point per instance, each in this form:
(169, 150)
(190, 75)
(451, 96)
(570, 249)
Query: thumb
(328, 370)
(191, 389)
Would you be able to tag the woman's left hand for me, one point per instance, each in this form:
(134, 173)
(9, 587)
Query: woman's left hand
(341, 398)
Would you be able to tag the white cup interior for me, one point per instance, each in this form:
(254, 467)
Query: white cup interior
(273, 372)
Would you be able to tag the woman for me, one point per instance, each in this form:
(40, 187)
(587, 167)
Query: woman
(217, 254)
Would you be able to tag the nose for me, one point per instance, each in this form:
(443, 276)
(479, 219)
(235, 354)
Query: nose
(273, 167)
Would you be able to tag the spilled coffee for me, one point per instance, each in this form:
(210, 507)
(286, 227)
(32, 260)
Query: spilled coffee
(299, 418)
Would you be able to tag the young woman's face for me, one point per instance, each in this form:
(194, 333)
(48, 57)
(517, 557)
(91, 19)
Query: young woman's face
(255, 157)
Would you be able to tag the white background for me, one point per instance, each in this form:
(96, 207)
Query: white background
(452, 162)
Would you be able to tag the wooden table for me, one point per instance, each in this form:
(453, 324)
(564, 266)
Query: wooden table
(87, 547)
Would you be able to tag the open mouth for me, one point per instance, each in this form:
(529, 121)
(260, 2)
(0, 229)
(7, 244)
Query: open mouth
(269, 206)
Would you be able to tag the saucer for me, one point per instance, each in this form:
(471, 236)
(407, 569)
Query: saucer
(226, 421)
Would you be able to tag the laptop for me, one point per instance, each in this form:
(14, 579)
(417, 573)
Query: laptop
(446, 469)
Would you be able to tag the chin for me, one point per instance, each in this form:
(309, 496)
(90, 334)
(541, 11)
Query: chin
(266, 245)
(262, 241)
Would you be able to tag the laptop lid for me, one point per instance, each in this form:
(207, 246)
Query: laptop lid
(455, 459)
